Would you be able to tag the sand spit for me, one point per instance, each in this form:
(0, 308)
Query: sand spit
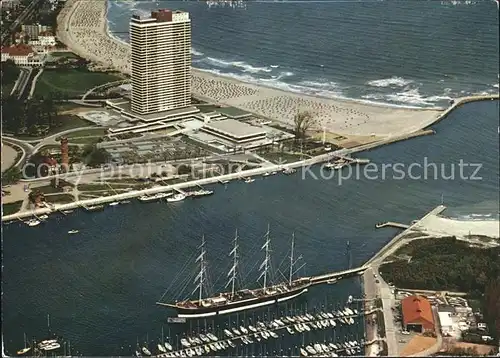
(83, 28)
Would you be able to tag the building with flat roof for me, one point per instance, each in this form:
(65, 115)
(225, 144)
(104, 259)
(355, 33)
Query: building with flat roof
(446, 323)
(234, 131)
(417, 314)
(160, 61)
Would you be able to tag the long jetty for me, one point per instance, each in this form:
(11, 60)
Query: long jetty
(392, 224)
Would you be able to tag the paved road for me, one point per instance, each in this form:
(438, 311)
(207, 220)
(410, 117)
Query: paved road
(9, 156)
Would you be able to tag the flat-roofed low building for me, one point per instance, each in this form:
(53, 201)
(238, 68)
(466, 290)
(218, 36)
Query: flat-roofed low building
(234, 131)
(417, 314)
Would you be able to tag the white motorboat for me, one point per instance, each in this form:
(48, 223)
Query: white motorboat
(204, 338)
(50, 347)
(252, 328)
(114, 203)
(224, 181)
(201, 192)
(74, 231)
(43, 217)
(206, 348)
(317, 348)
(33, 222)
(161, 348)
(303, 352)
(67, 211)
(249, 180)
(176, 197)
(243, 330)
(289, 171)
(26, 348)
(146, 351)
(228, 333)
(236, 332)
(231, 343)
(290, 330)
(332, 323)
(311, 350)
(185, 343)
(273, 334)
(157, 196)
(266, 174)
(212, 337)
(168, 346)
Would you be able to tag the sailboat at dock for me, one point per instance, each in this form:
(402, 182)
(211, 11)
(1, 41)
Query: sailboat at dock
(26, 348)
(244, 299)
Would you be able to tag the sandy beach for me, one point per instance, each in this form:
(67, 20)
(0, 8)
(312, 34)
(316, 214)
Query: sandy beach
(83, 28)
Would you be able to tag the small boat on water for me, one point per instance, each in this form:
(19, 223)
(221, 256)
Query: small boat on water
(212, 337)
(94, 207)
(146, 351)
(33, 222)
(201, 192)
(67, 211)
(161, 348)
(176, 197)
(224, 181)
(157, 196)
(73, 231)
(50, 346)
(114, 203)
(43, 217)
(266, 174)
(289, 171)
(249, 180)
(168, 346)
(26, 348)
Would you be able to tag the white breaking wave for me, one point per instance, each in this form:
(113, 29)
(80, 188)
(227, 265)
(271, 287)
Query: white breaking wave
(246, 67)
(389, 82)
(411, 97)
(196, 52)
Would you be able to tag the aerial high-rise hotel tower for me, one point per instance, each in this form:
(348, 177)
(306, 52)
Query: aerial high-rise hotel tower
(161, 61)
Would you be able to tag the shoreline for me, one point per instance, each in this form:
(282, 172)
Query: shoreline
(83, 27)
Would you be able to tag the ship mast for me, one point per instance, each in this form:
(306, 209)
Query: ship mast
(291, 260)
(232, 271)
(265, 263)
(201, 276)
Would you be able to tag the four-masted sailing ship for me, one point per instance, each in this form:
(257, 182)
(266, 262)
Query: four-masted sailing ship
(244, 299)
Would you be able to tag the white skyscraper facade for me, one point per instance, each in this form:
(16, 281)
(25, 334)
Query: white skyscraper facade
(161, 61)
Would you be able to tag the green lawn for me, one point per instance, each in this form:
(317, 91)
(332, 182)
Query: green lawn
(72, 82)
(64, 54)
(277, 157)
(94, 131)
(59, 198)
(12, 208)
(48, 189)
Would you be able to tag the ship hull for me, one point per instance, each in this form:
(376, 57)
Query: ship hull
(239, 305)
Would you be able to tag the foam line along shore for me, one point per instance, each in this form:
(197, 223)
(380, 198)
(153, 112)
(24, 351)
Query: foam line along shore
(83, 28)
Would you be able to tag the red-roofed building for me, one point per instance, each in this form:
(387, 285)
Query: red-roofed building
(417, 314)
(22, 55)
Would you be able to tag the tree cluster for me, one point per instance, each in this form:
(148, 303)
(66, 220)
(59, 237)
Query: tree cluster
(95, 157)
(450, 264)
(444, 264)
(9, 71)
(34, 116)
(303, 121)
